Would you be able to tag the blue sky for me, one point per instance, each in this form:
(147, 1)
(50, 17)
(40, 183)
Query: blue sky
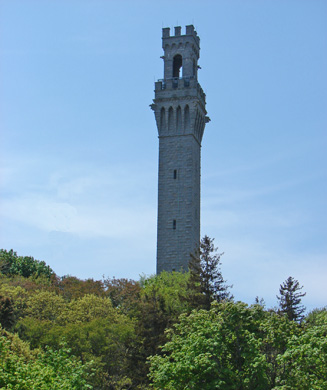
(79, 147)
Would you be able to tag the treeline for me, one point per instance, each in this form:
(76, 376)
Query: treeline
(170, 331)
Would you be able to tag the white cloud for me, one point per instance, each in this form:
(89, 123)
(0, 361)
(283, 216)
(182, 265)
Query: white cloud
(257, 267)
(39, 212)
(103, 203)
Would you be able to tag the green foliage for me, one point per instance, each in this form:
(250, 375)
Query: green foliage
(43, 305)
(290, 299)
(17, 296)
(114, 325)
(305, 359)
(23, 369)
(316, 317)
(215, 349)
(87, 308)
(91, 327)
(275, 331)
(26, 266)
(157, 308)
(172, 287)
(233, 346)
(7, 315)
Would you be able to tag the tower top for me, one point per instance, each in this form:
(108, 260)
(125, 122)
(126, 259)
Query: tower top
(181, 53)
(178, 29)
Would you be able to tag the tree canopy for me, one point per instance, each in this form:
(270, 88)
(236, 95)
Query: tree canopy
(169, 331)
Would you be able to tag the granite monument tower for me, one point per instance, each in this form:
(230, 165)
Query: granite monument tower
(180, 113)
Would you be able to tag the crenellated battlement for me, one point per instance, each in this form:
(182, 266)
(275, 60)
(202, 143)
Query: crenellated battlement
(189, 30)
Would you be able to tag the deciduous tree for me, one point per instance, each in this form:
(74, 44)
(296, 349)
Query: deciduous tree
(305, 359)
(23, 369)
(215, 349)
(11, 264)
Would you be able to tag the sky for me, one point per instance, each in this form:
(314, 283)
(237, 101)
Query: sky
(79, 146)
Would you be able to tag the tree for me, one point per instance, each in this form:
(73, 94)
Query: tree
(90, 326)
(214, 349)
(11, 264)
(43, 305)
(305, 359)
(158, 308)
(206, 283)
(290, 299)
(24, 369)
(124, 293)
(71, 287)
(275, 331)
(7, 315)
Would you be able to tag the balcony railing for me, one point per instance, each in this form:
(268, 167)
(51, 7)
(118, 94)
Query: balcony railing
(179, 82)
(176, 82)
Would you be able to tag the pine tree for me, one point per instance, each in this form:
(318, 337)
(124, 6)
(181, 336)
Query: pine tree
(290, 299)
(206, 282)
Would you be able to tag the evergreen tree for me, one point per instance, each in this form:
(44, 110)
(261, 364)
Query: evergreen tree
(7, 316)
(206, 283)
(290, 299)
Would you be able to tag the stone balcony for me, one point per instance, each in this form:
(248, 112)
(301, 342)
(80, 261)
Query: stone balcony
(180, 83)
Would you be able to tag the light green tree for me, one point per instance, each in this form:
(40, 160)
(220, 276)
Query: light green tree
(215, 349)
(23, 369)
(305, 359)
(90, 326)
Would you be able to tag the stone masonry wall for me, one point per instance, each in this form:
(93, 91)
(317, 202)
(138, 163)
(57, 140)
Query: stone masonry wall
(179, 200)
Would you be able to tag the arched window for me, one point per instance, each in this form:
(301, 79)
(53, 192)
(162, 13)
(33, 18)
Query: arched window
(179, 120)
(171, 120)
(177, 64)
(163, 119)
(186, 118)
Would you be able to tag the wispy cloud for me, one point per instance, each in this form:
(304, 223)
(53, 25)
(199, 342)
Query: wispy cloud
(106, 203)
(258, 266)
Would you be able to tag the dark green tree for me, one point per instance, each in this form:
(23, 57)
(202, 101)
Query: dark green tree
(26, 266)
(290, 299)
(206, 283)
(7, 316)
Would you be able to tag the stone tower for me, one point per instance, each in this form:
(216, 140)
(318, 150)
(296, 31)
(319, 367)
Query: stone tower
(180, 113)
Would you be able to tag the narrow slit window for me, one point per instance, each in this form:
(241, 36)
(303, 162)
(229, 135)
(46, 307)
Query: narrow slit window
(175, 174)
(174, 224)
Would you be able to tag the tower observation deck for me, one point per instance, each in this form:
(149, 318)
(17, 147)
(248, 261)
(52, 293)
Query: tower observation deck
(179, 108)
